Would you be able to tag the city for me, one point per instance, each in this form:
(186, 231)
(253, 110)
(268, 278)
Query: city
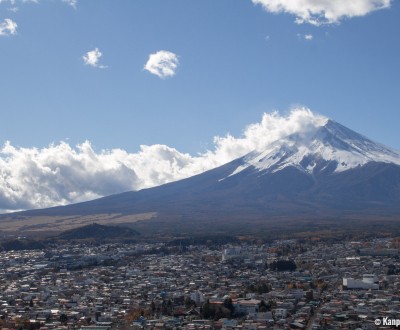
(184, 165)
(285, 284)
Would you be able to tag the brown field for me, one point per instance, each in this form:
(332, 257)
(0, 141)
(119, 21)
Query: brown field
(157, 224)
(53, 224)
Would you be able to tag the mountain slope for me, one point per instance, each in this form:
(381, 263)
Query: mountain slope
(329, 172)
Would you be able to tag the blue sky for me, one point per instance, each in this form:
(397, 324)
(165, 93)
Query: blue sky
(234, 61)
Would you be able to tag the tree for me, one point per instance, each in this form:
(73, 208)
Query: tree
(189, 302)
(63, 318)
(136, 313)
(229, 305)
(206, 310)
(169, 306)
(263, 307)
(391, 270)
(283, 265)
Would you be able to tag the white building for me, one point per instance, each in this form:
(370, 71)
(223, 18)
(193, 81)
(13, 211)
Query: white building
(247, 306)
(231, 253)
(368, 282)
(197, 297)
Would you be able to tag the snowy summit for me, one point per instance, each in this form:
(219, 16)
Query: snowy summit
(330, 147)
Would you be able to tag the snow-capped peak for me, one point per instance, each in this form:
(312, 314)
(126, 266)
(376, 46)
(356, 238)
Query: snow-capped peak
(330, 147)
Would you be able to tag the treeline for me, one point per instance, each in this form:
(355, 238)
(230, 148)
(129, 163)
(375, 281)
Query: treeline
(21, 244)
(282, 265)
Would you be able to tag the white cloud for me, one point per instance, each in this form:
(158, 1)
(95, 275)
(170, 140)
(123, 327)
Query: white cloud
(318, 12)
(14, 3)
(72, 3)
(307, 37)
(92, 58)
(8, 27)
(163, 64)
(61, 174)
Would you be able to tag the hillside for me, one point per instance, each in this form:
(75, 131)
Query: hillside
(329, 176)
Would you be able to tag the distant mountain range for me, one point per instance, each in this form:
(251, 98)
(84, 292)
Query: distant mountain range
(330, 173)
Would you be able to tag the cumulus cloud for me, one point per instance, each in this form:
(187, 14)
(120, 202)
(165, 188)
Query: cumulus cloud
(92, 58)
(61, 174)
(162, 64)
(8, 27)
(319, 12)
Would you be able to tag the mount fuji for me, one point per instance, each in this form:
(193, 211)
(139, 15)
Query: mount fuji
(327, 172)
(332, 148)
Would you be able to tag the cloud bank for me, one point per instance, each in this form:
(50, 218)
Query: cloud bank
(319, 12)
(61, 174)
(92, 58)
(8, 27)
(162, 64)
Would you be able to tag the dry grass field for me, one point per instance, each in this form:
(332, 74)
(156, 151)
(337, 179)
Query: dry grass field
(53, 224)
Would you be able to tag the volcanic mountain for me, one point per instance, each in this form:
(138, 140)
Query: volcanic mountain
(328, 172)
